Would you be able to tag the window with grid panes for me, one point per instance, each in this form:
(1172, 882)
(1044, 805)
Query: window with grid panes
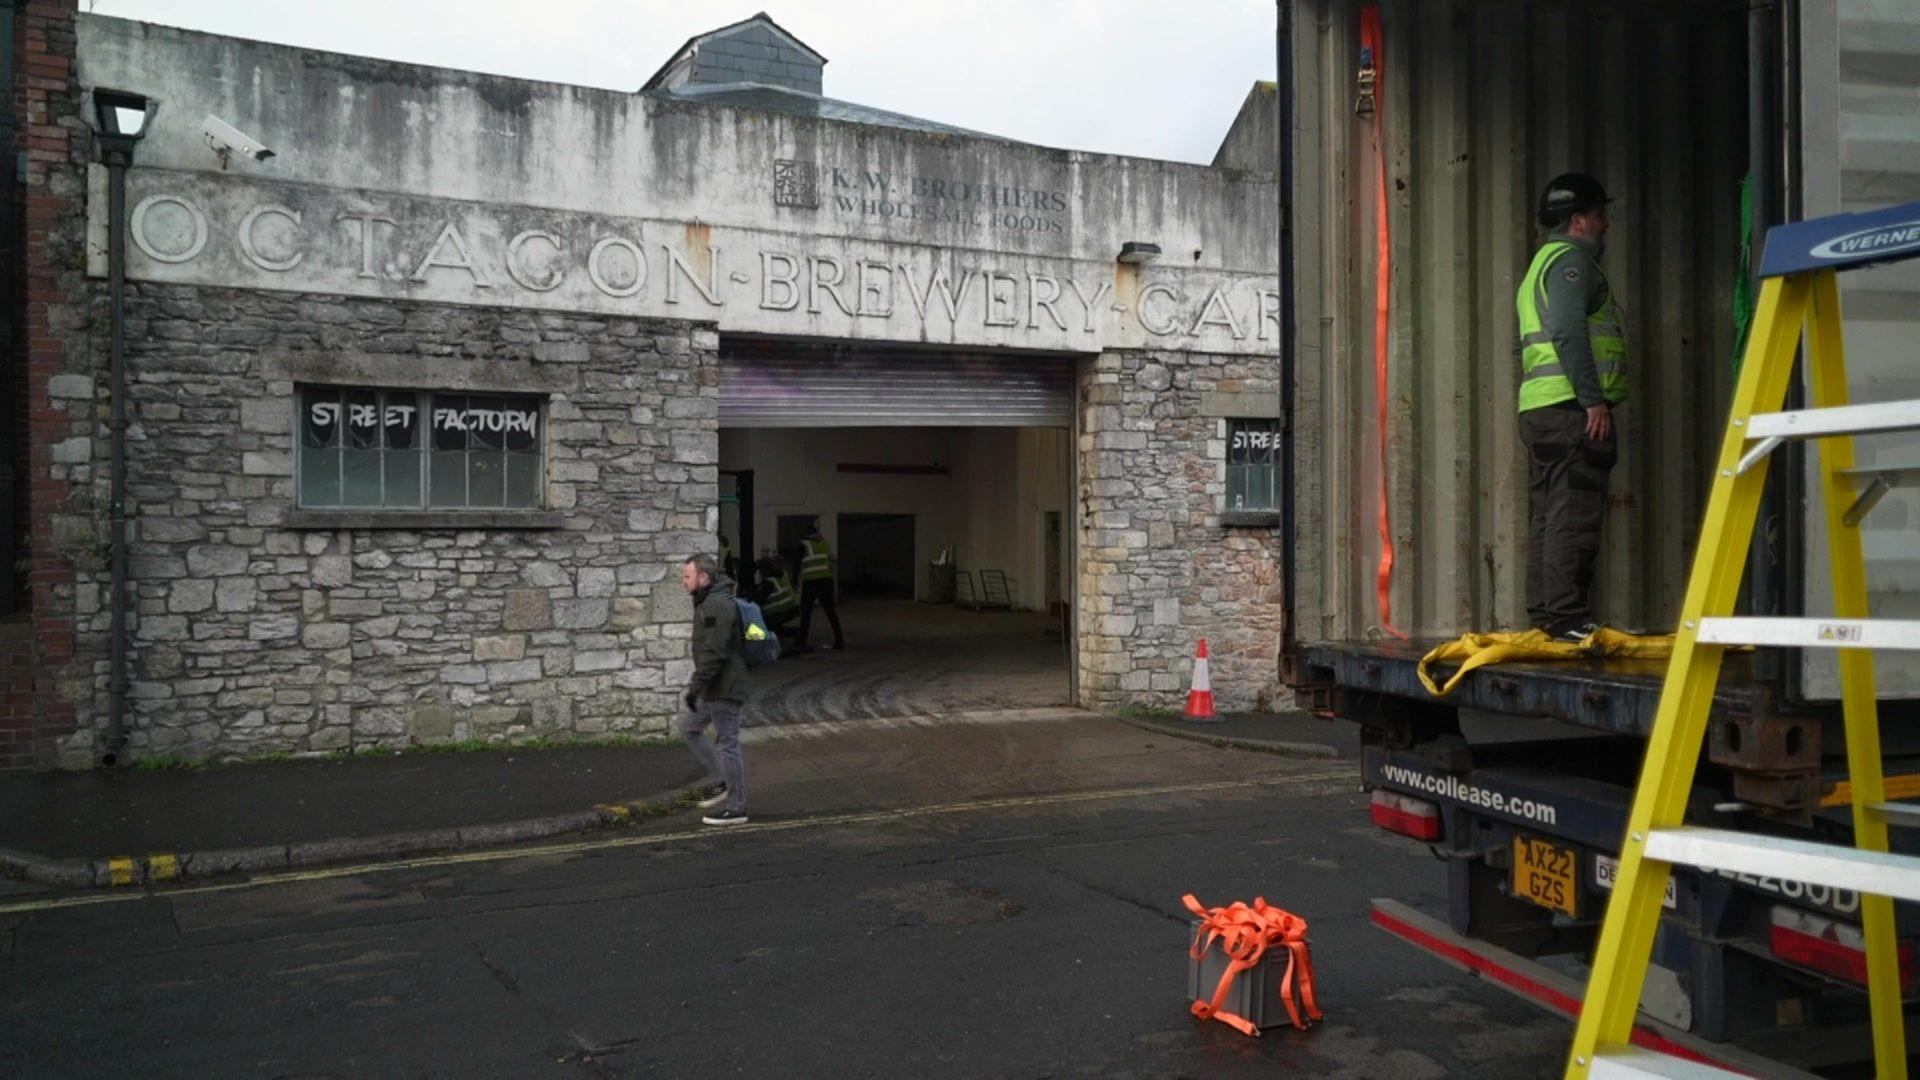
(408, 449)
(1253, 458)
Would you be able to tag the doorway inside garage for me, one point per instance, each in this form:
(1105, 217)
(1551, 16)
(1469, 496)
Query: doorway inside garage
(941, 482)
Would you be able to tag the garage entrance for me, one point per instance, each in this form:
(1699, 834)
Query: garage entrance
(940, 481)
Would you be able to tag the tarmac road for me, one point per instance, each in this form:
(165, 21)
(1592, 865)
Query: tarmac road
(932, 900)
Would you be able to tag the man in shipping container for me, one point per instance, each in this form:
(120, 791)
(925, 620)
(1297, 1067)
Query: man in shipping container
(1573, 354)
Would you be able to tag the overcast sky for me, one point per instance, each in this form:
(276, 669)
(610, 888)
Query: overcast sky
(1152, 78)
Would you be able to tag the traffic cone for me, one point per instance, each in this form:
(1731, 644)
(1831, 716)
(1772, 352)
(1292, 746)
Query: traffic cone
(1200, 698)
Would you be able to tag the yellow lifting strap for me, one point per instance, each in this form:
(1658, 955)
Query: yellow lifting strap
(1478, 650)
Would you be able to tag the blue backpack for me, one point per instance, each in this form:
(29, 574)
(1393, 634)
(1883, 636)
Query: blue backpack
(757, 645)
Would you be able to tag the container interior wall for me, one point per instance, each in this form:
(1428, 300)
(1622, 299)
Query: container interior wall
(1860, 89)
(1481, 102)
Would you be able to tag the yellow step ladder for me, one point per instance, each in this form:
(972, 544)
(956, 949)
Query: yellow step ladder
(1799, 291)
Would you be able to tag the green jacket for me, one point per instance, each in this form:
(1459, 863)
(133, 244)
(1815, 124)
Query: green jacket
(719, 669)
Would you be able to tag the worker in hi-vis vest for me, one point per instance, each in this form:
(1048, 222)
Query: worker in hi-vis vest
(779, 600)
(816, 587)
(1573, 372)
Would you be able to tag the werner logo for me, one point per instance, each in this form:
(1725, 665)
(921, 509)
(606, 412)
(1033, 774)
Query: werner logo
(1883, 240)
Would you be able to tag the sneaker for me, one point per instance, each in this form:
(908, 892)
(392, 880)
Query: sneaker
(1577, 633)
(725, 817)
(718, 797)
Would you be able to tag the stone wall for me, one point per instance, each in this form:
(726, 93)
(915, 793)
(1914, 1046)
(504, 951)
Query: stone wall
(251, 636)
(1158, 568)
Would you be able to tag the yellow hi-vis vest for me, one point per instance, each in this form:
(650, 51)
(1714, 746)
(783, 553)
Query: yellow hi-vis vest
(816, 565)
(1543, 381)
(783, 598)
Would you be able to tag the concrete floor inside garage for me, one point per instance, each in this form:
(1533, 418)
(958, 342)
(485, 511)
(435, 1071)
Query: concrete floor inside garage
(914, 659)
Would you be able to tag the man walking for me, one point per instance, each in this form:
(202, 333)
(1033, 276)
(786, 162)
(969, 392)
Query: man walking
(1573, 353)
(715, 692)
(816, 587)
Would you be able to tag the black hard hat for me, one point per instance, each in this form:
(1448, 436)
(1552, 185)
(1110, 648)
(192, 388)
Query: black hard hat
(1568, 194)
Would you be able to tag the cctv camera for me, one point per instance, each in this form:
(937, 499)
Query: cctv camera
(227, 139)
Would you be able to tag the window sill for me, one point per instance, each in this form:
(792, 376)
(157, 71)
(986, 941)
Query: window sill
(1250, 519)
(419, 520)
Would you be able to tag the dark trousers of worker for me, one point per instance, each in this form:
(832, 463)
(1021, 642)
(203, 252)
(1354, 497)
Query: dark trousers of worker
(819, 592)
(1567, 504)
(721, 759)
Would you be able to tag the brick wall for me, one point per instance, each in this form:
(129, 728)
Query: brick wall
(48, 260)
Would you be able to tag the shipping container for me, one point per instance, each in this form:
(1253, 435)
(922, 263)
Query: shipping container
(1477, 104)
(1708, 120)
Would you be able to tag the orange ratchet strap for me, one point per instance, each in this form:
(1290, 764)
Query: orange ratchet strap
(1373, 55)
(1245, 934)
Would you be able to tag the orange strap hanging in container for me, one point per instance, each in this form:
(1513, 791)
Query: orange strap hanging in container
(1245, 934)
(1372, 54)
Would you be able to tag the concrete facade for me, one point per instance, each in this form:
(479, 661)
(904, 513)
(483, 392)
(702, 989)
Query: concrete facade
(442, 231)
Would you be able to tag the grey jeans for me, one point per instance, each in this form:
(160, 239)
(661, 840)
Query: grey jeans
(721, 758)
(1567, 504)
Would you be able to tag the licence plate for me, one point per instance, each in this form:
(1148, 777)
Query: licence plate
(1606, 869)
(1543, 873)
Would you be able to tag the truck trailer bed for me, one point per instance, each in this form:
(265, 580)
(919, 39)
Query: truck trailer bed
(1617, 696)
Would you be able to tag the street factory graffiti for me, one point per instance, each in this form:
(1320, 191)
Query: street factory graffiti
(220, 232)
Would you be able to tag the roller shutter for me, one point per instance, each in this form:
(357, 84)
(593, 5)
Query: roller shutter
(779, 384)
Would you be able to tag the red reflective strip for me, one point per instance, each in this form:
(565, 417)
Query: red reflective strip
(1406, 822)
(1565, 1004)
(1830, 957)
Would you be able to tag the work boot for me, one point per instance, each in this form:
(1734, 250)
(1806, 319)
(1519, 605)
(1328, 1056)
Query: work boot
(1577, 633)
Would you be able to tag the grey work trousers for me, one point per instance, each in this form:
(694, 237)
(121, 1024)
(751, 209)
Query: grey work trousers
(721, 758)
(1567, 504)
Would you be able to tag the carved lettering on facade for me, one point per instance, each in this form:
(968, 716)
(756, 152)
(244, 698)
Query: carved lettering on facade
(1160, 323)
(516, 261)
(786, 278)
(142, 229)
(368, 238)
(627, 276)
(450, 252)
(254, 254)
(709, 289)
(1215, 311)
(467, 255)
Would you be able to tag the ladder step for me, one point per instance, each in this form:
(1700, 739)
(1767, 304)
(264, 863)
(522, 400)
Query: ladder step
(1839, 420)
(1876, 872)
(1813, 633)
(1632, 1061)
(1901, 814)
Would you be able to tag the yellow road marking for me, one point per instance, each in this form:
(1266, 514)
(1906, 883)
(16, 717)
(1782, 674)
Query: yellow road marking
(574, 847)
(162, 867)
(120, 871)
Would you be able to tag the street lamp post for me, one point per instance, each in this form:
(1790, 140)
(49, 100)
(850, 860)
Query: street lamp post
(122, 119)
